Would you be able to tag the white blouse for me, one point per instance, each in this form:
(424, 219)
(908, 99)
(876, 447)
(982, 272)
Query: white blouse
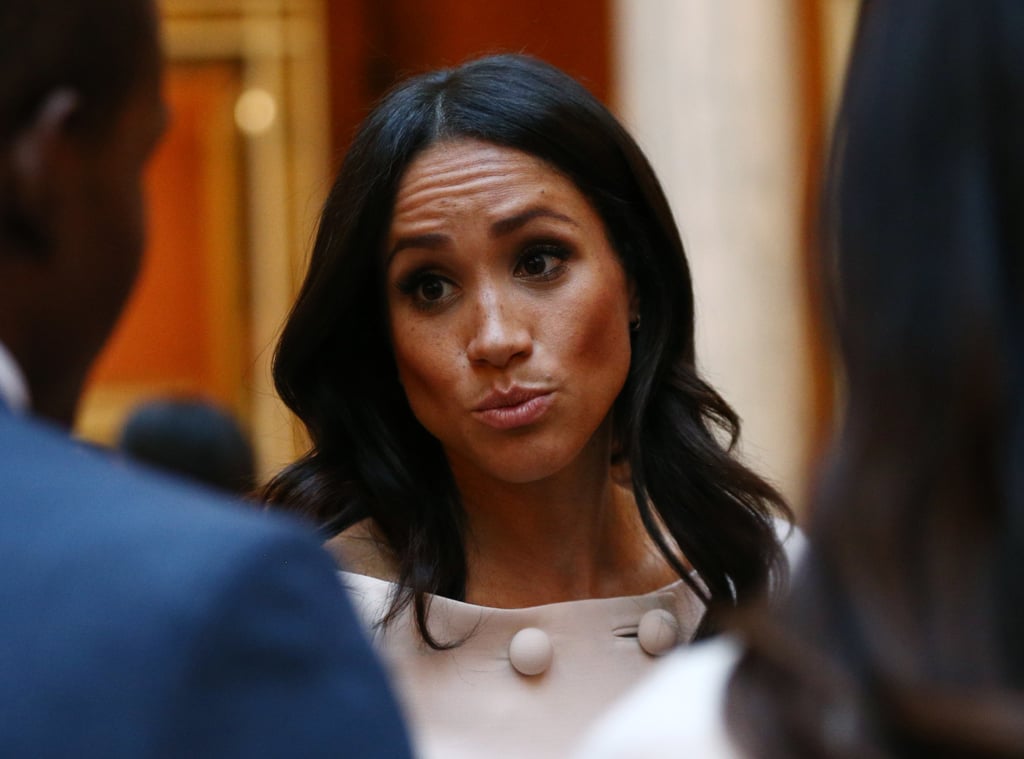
(678, 711)
(524, 682)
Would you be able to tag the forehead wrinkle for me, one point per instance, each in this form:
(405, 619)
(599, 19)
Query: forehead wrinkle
(461, 181)
(512, 200)
(446, 185)
(452, 166)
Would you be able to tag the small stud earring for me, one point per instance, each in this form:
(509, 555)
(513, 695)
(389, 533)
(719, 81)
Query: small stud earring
(634, 324)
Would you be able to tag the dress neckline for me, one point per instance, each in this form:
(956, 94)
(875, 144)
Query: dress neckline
(671, 588)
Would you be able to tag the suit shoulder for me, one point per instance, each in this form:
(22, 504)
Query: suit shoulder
(82, 513)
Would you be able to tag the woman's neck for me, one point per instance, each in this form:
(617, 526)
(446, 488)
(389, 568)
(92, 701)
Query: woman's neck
(562, 539)
(574, 535)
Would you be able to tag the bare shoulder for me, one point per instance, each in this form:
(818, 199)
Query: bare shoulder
(361, 550)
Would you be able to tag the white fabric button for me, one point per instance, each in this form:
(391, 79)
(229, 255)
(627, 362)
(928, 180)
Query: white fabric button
(530, 651)
(658, 632)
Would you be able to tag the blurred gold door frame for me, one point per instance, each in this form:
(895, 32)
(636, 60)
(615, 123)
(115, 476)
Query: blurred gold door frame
(234, 194)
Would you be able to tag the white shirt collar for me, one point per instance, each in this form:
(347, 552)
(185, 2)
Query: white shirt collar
(13, 387)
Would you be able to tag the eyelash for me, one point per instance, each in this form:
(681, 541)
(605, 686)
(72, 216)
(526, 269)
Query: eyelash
(557, 251)
(410, 284)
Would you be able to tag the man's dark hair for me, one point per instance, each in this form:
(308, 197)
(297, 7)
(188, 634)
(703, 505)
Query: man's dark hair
(192, 438)
(93, 47)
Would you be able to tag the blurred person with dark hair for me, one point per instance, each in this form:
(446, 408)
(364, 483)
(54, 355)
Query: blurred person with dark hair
(193, 438)
(904, 633)
(140, 617)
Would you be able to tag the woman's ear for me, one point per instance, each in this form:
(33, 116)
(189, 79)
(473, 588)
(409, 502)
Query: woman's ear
(33, 168)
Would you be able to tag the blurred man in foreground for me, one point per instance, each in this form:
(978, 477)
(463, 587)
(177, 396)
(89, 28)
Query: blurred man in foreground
(140, 617)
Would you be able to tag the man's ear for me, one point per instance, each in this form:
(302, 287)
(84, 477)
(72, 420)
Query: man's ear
(33, 168)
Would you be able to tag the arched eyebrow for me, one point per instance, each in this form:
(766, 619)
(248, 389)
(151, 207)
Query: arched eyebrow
(512, 223)
(500, 228)
(431, 241)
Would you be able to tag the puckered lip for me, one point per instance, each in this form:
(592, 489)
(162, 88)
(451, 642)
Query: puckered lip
(515, 395)
(516, 408)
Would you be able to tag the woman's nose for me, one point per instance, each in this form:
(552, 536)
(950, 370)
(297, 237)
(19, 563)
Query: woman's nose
(500, 332)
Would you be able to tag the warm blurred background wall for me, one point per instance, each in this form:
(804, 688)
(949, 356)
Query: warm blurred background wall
(730, 100)
(234, 191)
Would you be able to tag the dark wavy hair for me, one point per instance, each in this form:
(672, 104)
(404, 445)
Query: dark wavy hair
(905, 632)
(334, 366)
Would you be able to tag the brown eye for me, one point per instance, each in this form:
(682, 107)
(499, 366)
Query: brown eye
(432, 289)
(542, 262)
(534, 264)
(427, 290)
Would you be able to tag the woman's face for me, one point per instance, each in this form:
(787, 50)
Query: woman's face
(509, 312)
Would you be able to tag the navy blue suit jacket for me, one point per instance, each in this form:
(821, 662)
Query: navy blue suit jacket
(143, 618)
